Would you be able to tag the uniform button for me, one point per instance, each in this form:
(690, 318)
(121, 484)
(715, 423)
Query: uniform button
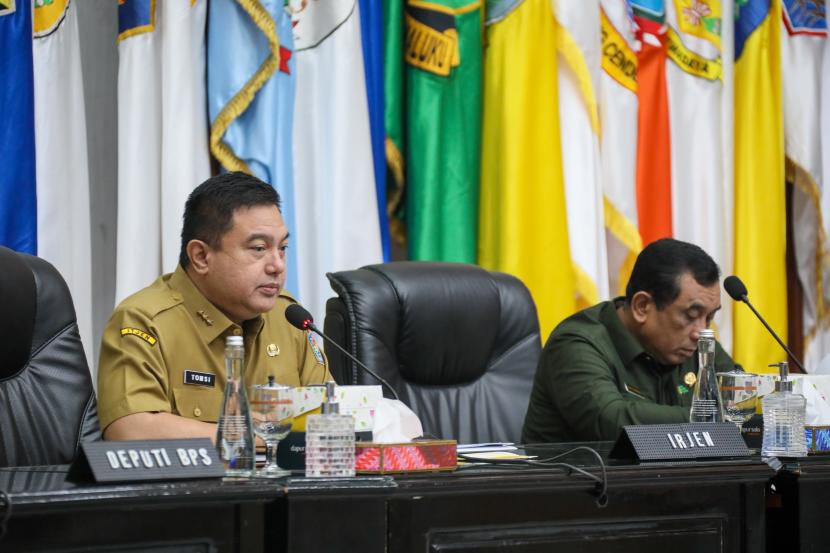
(197, 412)
(237, 332)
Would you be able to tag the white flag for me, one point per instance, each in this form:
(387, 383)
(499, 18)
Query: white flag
(61, 156)
(162, 133)
(334, 181)
(618, 120)
(578, 72)
(700, 187)
(803, 48)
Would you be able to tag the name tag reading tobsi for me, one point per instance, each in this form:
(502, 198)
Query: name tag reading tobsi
(664, 442)
(147, 460)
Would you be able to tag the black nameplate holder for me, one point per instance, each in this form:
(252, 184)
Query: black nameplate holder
(146, 460)
(678, 442)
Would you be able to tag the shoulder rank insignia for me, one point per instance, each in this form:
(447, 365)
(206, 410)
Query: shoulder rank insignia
(318, 355)
(150, 339)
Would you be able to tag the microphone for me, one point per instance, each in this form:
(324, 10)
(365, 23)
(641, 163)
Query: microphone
(737, 291)
(299, 317)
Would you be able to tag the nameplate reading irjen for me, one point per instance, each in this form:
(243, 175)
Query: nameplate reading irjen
(664, 442)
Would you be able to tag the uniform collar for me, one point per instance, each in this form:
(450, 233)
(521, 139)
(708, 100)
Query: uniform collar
(209, 320)
(627, 346)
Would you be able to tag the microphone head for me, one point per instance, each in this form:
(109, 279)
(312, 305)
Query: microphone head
(298, 316)
(735, 288)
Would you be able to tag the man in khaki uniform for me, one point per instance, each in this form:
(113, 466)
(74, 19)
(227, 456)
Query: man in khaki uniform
(161, 373)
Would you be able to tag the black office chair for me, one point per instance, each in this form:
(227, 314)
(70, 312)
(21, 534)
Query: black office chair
(47, 404)
(458, 343)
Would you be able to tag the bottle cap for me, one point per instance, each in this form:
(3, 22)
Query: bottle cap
(330, 407)
(233, 341)
(706, 333)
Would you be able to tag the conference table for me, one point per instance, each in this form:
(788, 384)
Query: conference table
(580, 501)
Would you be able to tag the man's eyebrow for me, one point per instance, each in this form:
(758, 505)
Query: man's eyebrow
(259, 236)
(286, 237)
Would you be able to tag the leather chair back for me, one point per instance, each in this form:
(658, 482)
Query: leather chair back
(458, 343)
(47, 403)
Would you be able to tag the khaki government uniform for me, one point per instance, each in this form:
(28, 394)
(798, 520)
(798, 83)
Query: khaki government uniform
(163, 350)
(594, 377)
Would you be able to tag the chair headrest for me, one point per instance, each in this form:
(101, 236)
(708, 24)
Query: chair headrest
(18, 296)
(443, 319)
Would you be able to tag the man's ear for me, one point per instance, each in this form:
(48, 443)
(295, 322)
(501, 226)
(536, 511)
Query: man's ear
(641, 305)
(199, 254)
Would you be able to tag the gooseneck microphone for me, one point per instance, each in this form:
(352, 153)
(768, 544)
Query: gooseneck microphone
(737, 291)
(299, 317)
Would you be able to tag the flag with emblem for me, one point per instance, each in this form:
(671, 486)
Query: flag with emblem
(251, 81)
(760, 236)
(523, 217)
(578, 47)
(162, 133)
(443, 121)
(654, 213)
(803, 48)
(694, 79)
(334, 185)
(18, 203)
(618, 142)
(61, 155)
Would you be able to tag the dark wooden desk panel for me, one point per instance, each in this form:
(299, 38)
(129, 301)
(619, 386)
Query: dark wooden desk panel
(692, 507)
(50, 514)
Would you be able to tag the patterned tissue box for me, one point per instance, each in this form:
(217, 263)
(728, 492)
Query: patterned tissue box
(420, 456)
(818, 439)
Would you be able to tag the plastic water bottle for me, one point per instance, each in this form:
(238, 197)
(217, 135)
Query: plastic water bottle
(329, 440)
(707, 405)
(784, 414)
(234, 431)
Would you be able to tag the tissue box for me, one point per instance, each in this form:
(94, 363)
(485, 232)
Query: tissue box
(421, 456)
(357, 401)
(818, 439)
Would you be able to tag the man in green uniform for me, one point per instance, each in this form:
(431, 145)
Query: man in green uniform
(161, 373)
(630, 360)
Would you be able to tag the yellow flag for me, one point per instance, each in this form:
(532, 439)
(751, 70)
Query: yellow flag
(523, 221)
(760, 210)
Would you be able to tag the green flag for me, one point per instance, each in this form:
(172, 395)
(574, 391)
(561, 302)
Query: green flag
(442, 84)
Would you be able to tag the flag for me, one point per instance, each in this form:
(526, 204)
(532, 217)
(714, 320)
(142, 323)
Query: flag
(654, 213)
(251, 84)
(371, 33)
(393, 115)
(162, 133)
(443, 93)
(523, 217)
(578, 45)
(335, 198)
(18, 202)
(760, 235)
(63, 223)
(698, 178)
(803, 40)
(618, 144)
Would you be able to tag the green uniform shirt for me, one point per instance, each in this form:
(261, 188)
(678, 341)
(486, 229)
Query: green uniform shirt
(163, 350)
(594, 378)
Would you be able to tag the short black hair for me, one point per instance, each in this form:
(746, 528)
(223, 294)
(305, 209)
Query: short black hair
(208, 213)
(661, 264)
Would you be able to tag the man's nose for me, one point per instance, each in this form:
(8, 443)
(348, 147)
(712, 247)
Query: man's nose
(276, 264)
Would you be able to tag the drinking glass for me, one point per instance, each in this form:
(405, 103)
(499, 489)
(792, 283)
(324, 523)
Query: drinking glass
(272, 413)
(739, 394)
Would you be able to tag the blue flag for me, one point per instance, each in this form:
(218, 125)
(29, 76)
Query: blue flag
(18, 205)
(371, 29)
(258, 122)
